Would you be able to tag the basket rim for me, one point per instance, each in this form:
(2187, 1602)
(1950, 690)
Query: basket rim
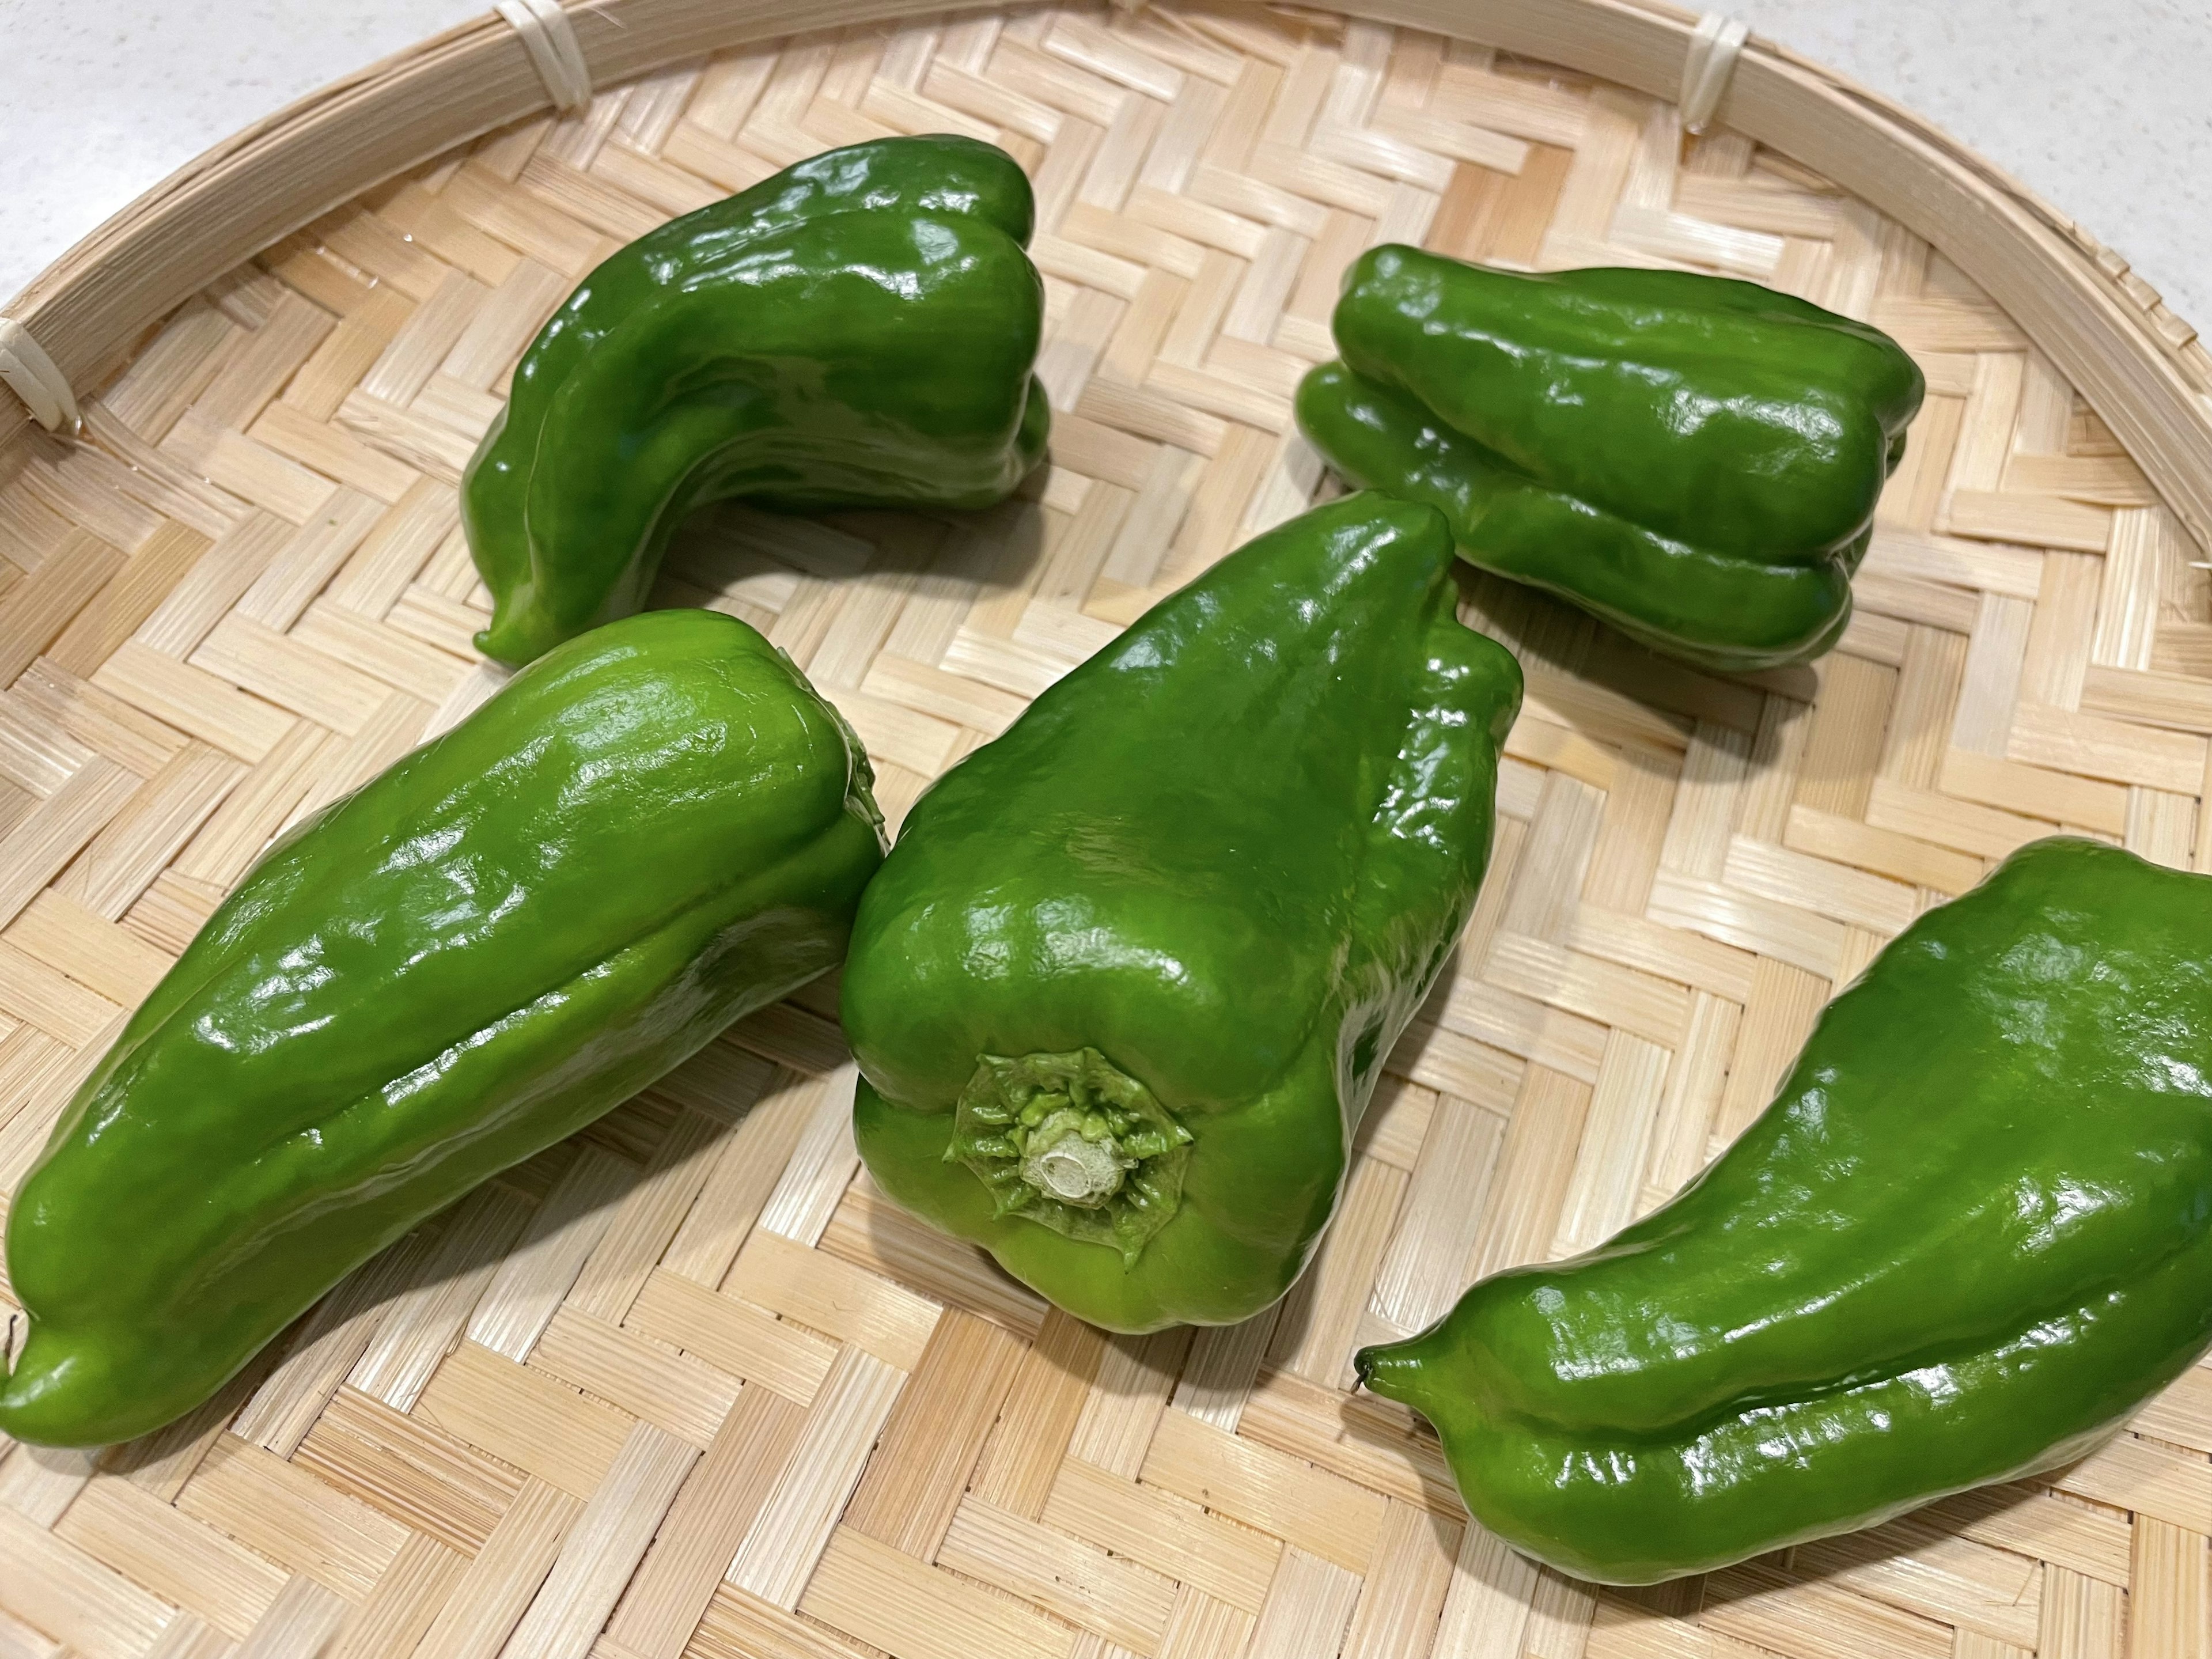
(2138, 364)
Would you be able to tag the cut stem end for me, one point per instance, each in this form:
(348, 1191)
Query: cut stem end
(1073, 1143)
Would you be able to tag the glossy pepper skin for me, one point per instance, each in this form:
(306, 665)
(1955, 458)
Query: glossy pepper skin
(1147, 951)
(1971, 1236)
(650, 830)
(1695, 460)
(857, 330)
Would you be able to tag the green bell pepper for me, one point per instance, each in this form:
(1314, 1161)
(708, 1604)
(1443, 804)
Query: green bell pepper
(650, 830)
(1970, 1236)
(1125, 983)
(1693, 459)
(857, 330)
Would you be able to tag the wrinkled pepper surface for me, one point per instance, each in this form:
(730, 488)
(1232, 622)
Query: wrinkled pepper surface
(857, 330)
(650, 830)
(1970, 1236)
(1126, 980)
(1694, 459)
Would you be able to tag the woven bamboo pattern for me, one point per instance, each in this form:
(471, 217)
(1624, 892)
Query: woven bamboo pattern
(686, 1384)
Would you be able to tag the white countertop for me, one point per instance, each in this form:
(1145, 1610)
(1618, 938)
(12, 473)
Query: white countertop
(2098, 106)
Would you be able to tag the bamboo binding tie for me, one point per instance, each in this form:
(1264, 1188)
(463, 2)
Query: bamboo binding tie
(1714, 48)
(44, 389)
(550, 40)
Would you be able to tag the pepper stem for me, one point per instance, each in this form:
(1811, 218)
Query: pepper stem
(1073, 1142)
(1085, 1173)
(1408, 1371)
(1383, 1369)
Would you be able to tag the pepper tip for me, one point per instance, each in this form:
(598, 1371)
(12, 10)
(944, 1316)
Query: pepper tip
(1393, 1371)
(1364, 1365)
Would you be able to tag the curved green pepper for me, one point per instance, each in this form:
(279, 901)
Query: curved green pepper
(857, 330)
(1970, 1236)
(1694, 459)
(650, 830)
(1126, 980)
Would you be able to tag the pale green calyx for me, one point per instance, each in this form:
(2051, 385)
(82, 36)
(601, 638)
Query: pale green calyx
(1072, 1142)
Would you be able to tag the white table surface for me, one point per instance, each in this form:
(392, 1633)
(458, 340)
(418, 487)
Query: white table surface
(2098, 104)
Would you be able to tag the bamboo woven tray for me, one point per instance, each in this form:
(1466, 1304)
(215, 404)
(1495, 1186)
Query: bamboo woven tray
(686, 1384)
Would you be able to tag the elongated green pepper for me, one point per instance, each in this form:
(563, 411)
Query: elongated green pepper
(857, 330)
(1970, 1236)
(1128, 980)
(650, 830)
(1694, 459)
